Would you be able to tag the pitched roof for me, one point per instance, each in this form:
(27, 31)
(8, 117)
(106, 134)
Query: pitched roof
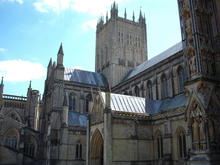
(125, 103)
(158, 106)
(153, 61)
(85, 77)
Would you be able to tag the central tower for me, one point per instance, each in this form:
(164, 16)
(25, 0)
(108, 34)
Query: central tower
(121, 45)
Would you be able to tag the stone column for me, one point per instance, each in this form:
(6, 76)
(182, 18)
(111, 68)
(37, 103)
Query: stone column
(107, 132)
(88, 141)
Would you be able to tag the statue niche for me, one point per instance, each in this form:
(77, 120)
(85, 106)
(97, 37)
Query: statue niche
(198, 126)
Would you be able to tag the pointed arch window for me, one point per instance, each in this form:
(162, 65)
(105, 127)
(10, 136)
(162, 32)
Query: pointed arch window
(11, 139)
(164, 86)
(181, 79)
(182, 144)
(88, 99)
(29, 147)
(149, 90)
(14, 116)
(159, 141)
(78, 153)
(137, 91)
(72, 102)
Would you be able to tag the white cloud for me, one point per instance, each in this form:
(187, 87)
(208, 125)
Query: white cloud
(18, 1)
(91, 24)
(91, 7)
(19, 70)
(2, 50)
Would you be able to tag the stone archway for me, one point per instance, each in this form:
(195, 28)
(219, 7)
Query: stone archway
(96, 157)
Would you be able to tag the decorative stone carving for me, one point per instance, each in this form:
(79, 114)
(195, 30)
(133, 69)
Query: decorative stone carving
(203, 88)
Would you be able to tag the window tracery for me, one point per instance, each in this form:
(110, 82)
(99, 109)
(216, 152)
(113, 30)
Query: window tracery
(164, 85)
(72, 102)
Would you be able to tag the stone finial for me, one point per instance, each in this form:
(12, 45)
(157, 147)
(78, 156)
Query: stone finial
(2, 80)
(114, 11)
(106, 16)
(114, 6)
(125, 14)
(133, 17)
(140, 15)
(50, 63)
(60, 56)
(30, 84)
(61, 49)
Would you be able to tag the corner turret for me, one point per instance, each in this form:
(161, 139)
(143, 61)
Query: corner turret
(59, 66)
(60, 55)
(141, 18)
(114, 11)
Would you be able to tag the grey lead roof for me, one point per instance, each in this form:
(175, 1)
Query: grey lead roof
(158, 106)
(153, 61)
(125, 103)
(132, 104)
(85, 77)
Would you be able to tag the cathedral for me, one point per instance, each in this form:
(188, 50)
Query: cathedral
(132, 110)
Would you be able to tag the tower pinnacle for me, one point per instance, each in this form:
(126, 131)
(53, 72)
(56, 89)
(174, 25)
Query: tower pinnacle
(133, 17)
(30, 84)
(61, 49)
(125, 14)
(60, 55)
(2, 80)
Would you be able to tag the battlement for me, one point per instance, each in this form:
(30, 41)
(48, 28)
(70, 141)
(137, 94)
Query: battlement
(114, 17)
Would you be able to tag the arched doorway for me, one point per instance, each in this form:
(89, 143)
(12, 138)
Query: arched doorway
(96, 156)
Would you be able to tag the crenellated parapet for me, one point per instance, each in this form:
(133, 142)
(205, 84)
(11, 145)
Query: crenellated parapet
(114, 17)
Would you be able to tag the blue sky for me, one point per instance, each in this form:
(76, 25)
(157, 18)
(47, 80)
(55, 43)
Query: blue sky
(31, 32)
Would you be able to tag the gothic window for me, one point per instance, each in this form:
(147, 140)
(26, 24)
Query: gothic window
(182, 144)
(98, 61)
(137, 91)
(149, 90)
(164, 87)
(181, 79)
(119, 36)
(159, 141)
(72, 102)
(127, 39)
(106, 54)
(122, 38)
(54, 137)
(102, 58)
(78, 153)
(29, 148)
(88, 99)
(130, 64)
(121, 62)
(14, 116)
(11, 139)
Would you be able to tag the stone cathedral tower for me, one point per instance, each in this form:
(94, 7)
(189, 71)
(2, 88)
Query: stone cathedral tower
(121, 45)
